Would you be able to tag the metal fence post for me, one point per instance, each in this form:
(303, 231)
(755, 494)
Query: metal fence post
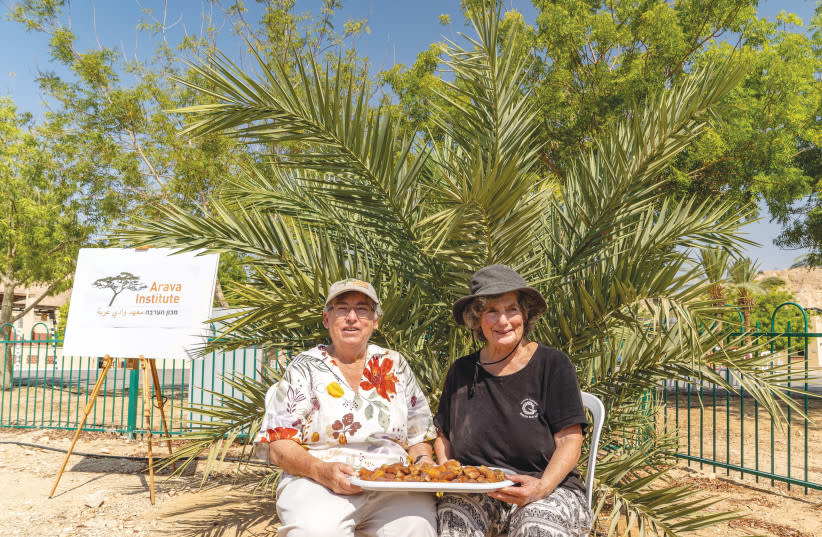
(133, 396)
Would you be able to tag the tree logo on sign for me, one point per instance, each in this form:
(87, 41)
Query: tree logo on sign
(117, 284)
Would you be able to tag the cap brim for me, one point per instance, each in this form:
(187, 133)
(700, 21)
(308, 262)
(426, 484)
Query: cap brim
(459, 306)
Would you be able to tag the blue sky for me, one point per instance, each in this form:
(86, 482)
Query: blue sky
(399, 30)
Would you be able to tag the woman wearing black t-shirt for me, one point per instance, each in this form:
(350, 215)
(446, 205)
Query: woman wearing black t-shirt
(513, 404)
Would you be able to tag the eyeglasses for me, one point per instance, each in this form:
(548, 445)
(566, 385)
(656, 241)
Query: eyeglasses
(363, 312)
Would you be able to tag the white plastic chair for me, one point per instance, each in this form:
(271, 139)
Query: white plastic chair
(592, 403)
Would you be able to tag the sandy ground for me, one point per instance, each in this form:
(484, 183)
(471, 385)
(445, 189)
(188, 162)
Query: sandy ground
(227, 506)
(765, 510)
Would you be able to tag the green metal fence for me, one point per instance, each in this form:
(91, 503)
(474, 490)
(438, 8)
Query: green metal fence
(50, 391)
(729, 431)
(716, 428)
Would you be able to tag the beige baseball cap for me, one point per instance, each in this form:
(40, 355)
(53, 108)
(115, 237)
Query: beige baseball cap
(353, 284)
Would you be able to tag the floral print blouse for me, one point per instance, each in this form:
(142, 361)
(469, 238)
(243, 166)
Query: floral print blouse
(374, 425)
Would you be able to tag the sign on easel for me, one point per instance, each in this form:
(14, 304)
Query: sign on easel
(127, 303)
(137, 303)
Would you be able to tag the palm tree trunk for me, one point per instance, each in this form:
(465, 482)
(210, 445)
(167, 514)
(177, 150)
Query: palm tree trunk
(716, 294)
(219, 296)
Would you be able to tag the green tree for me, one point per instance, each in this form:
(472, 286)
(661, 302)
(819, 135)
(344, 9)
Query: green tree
(109, 131)
(416, 215)
(594, 60)
(40, 233)
(774, 294)
(109, 128)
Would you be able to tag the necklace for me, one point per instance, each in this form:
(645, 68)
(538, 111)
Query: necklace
(502, 359)
(478, 363)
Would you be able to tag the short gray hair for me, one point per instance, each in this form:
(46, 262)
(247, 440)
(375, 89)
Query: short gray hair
(472, 314)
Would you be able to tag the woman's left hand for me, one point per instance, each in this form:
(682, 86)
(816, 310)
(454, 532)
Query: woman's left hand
(531, 489)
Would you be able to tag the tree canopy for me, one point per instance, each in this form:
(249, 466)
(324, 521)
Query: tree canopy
(588, 64)
(593, 61)
(40, 234)
(109, 128)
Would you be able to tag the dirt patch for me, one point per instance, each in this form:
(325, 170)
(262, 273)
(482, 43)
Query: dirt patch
(764, 510)
(775, 529)
(228, 506)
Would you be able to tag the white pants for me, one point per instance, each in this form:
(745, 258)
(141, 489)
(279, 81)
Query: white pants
(308, 509)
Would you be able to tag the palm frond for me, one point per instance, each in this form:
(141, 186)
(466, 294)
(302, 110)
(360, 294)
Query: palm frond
(347, 153)
(334, 189)
(633, 494)
(496, 119)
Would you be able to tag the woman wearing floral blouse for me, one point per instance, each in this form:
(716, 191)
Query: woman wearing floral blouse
(340, 406)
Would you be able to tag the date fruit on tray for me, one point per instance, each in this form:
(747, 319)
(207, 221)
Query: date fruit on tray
(450, 472)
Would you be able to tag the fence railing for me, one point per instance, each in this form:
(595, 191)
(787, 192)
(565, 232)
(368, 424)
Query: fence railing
(715, 427)
(50, 391)
(730, 431)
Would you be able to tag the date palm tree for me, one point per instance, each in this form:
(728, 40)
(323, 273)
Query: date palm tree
(334, 190)
(714, 263)
(743, 273)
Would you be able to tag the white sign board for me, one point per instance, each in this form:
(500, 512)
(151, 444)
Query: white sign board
(128, 303)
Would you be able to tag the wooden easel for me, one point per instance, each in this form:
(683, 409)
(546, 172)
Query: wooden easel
(148, 366)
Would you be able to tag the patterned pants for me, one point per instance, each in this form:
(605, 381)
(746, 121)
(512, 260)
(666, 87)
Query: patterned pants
(563, 513)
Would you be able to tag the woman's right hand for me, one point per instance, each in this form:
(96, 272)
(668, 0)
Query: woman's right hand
(334, 476)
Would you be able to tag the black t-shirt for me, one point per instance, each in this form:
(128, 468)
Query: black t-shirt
(510, 420)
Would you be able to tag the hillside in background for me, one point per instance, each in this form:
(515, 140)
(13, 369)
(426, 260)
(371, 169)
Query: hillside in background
(805, 284)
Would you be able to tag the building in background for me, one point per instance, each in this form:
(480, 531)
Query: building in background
(46, 312)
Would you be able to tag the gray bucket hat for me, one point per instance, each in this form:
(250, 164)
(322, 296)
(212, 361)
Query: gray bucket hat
(497, 280)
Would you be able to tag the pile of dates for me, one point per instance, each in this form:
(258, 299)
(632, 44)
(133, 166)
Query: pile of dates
(450, 472)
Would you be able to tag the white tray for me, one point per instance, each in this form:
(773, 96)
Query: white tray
(423, 486)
